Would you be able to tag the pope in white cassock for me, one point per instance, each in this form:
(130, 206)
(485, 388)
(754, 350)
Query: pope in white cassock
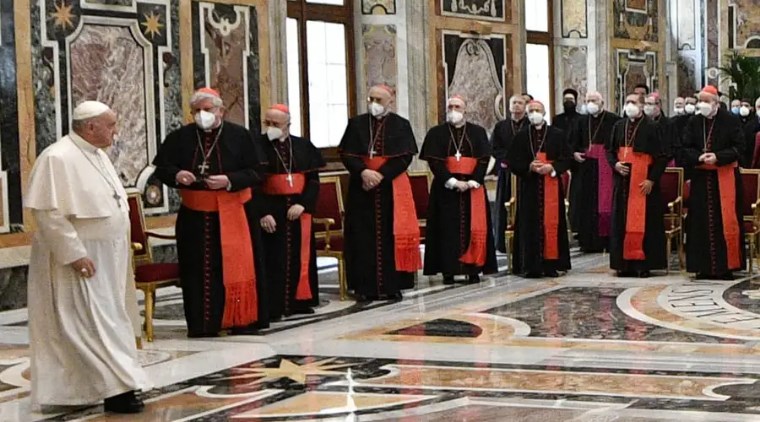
(82, 341)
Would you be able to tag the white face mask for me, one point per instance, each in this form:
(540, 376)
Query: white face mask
(593, 108)
(649, 109)
(744, 111)
(678, 111)
(273, 133)
(455, 117)
(376, 109)
(705, 108)
(690, 108)
(204, 119)
(632, 110)
(536, 118)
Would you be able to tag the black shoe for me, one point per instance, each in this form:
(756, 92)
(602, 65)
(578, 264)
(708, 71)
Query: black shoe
(625, 274)
(703, 276)
(250, 330)
(396, 297)
(727, 276)
(449, 280)
(644, 274)
(551, 274)
(303, 310)
(124, 403)
(364, 300)
(533, 275)
(201, 335)
(473, 279)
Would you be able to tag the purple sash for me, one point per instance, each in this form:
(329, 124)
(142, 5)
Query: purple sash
(604, 197)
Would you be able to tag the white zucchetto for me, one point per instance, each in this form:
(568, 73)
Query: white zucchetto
(89, 109)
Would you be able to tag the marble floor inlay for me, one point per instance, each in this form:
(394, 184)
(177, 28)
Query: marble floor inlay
(582, 347)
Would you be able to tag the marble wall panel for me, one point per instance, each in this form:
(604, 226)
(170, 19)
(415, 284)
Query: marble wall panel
(496, 10)
(378, 7)
(712, 47)
(744, 16)
(683, 25)
(687, 75)
(226, 57)
(381, 63)
(572, 71)
(122, 53)
(574, 18)
(476, 69)
(633, 69)
(636, 19)
(10, 171)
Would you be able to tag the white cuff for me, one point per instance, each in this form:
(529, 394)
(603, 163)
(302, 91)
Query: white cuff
(554, 173)
(451, 183)
(473, 184)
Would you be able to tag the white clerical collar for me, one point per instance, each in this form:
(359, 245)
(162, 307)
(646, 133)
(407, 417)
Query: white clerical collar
(81, 143)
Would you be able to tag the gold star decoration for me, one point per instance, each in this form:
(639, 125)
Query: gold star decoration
(288, 369)
(152, 25)
(63, 15)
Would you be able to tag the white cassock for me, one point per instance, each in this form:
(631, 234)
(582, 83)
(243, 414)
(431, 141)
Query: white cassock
(81, 337)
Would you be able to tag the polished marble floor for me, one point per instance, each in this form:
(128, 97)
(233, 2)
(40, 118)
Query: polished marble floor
(582, 347)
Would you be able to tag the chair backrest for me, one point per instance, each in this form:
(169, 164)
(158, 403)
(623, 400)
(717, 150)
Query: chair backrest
(671, 186)
(330, 201)
(420, 181)
(513, 214)
(137, 229)
(756, 152)
(750, 191)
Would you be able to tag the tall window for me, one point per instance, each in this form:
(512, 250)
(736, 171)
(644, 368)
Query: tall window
(320, 68)
(539, 69)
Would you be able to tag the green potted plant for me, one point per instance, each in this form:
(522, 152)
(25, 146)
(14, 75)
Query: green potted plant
(743, 73)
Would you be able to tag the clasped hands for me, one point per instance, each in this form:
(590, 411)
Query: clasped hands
(269, 224)
(371, 179)
(217, 181)
(645, 186)
(538, 166)
(708, 158)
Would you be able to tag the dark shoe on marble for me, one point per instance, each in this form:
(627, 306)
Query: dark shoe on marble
(473, 278)
(533, 275)
(449, 280)
(727, 276)
(202, 335)
(303, 310)
(250, 330)
(625, 274)
(396, 297)
(703, 276)
(644, 274)
(364, 300)
(551, 273)
(124, 403)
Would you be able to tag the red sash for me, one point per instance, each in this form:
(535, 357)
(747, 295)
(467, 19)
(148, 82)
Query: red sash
(476, 251)
(551, 212)
(278, 184)
(406, 229)
(731, 232)
(239, 272)
(604, 188)
(636, 217)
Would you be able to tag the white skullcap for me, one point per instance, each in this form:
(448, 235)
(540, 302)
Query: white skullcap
(89, 109)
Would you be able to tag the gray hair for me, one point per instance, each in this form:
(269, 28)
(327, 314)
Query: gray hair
(200, 96)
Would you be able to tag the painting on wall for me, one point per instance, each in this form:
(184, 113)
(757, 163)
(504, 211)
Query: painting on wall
(496, 10)
(744, 24)
(632, 69)
(10, 174)
(572, 71)
(381, 62)
(476, 69)
(687, 75)
(121, 54)
(378, 7)
(636, 19)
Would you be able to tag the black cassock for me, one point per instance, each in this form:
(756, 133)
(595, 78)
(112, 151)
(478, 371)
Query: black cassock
(584, 187)
(283, 247)
(751, 128)
(706, 244)
(501, 143)
(369, 241)
(644, 136)
(528, 254)
(236, 155)
(448, 217)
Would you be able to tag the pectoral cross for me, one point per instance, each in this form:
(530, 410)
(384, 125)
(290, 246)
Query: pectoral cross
(458, 155)
(203, 168)
(117, 198)
(290, 180)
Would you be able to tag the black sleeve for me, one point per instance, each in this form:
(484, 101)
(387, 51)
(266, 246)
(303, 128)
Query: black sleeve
(439, 169)
(521, 155)
(167, 160)
(499, 143)
(690, 152)
(564, 157)
(735, 147)
(658, 147)
(575, 136)
(354, 164)
(252, 159)
(310, 192)
(612, 147)
(394, 167)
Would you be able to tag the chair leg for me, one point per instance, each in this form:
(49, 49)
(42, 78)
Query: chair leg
(667, 254)
(150, 297)
(508, 244)
(751, 252)
(342, 282)
(681, 260)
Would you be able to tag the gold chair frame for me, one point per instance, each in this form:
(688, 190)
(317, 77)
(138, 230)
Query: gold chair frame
(429, 176)
(328, 233)
(753, 237)
(511, 209)
(674, 216)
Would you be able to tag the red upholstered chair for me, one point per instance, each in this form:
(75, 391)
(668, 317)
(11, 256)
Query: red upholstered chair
(149, 275)
(756, 153)
(421, 181)
(671, 191)
(329, 237)
(751, 211)
(509, 233)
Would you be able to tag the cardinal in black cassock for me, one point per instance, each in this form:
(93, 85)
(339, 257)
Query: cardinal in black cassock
(215, 164)
(713, 144)
(501, 142)
(638, 155)
(540, 155)
(591, 186)
(287, 201)
(459, 234)
(382, 234)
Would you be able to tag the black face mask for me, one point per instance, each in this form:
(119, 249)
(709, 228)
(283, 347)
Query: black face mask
(569, 106)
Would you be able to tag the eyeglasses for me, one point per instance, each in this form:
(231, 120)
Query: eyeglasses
(374, 100)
